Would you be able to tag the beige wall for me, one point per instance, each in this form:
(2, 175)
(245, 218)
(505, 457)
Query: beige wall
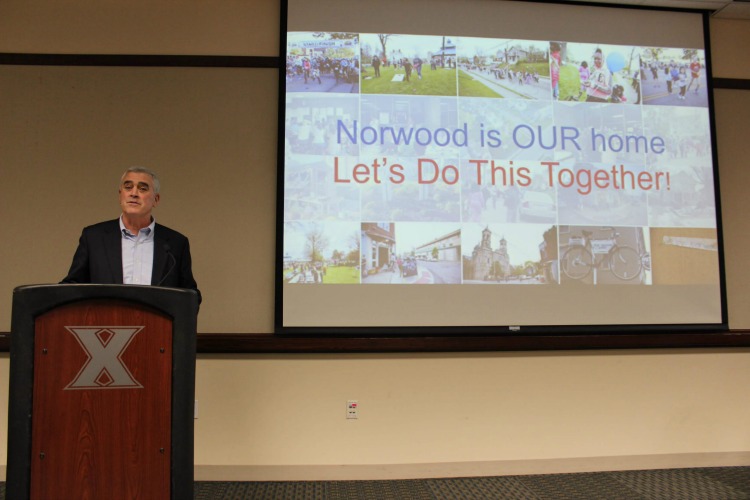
(211, 134)
(471, 407)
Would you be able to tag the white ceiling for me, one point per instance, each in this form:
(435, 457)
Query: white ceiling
(724, 9)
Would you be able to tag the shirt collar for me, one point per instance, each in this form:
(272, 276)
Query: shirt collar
(147, 231)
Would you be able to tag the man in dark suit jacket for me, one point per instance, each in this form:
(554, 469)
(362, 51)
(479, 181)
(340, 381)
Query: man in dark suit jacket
(99, 256)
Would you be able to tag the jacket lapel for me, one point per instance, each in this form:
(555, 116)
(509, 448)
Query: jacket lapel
(113, 251)
(160, 255)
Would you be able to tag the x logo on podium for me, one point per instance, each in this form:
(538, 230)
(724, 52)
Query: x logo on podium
(104, 368)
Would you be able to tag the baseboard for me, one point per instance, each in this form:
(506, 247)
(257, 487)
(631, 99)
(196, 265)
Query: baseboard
(466, 469)
(462, 469)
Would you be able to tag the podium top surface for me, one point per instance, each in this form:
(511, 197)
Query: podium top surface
(31, 300)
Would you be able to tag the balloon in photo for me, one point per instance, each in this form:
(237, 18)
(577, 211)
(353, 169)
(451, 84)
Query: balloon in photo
(615, 62)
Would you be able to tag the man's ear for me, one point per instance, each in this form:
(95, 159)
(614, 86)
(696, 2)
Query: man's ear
(157, 197)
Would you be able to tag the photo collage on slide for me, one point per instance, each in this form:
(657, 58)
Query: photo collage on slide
(415, 159)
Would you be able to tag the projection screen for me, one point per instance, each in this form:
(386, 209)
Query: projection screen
(495, 166)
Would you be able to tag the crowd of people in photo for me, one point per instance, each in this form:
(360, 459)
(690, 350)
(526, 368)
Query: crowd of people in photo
(306, 272)
(479, 199)
(408, 65)
(404, 266)
(690, 147)
(311, 68)
(500, 72)
(347, 70)
(679, 77)
(316, 135)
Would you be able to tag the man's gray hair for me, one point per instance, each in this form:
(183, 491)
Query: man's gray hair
(143, 170)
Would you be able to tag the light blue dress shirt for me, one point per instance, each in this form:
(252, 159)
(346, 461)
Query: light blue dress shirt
(137, 254)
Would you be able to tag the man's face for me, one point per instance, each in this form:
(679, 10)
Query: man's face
(137, 196)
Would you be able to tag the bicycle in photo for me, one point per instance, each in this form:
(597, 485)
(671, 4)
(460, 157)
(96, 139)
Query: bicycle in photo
(586, 254)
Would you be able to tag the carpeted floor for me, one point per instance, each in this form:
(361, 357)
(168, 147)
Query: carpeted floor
(716, 483)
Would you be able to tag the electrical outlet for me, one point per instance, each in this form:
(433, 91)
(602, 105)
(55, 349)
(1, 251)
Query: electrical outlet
(352, 409)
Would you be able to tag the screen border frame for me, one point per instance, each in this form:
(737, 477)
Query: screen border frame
(554, 336)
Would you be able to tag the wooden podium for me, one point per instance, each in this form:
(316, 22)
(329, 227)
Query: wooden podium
(102, 387)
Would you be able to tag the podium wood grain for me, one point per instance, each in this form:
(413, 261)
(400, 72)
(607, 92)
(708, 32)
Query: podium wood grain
(108, 442)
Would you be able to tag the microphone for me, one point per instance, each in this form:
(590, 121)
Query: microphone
(167, 249)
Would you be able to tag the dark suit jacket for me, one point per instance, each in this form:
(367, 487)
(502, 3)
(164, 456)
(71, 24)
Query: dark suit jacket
(98, 258)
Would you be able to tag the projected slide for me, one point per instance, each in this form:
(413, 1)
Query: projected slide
(483, 166)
